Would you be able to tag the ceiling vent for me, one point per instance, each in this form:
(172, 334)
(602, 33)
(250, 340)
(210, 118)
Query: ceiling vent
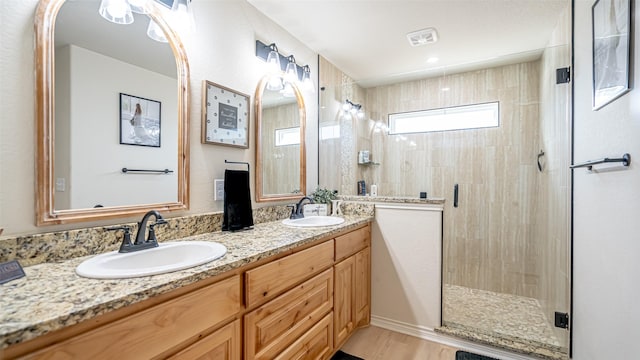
(423, 37)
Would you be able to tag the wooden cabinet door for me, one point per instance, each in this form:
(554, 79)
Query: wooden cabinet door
(315, 344)
(222, 344)
(362, 291)
(273, 326)
(344, 301)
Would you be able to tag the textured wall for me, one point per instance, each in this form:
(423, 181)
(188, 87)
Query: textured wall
(222, 51)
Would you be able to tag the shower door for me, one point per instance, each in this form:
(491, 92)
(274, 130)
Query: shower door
(506, 246)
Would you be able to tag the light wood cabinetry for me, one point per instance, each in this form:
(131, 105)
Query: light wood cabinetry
(155, 331)
(223, 344)
(299, 305)
(273, 326)
(270, 279)
(316, 344)
(352, 296)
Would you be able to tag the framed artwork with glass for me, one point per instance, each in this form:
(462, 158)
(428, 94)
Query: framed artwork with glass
(225, 116)
(139, 121)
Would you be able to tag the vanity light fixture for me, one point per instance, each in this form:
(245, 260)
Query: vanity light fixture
(116, 11)
(355, 109)
(155, 32)
(291, 72)
(307, 83)
(274, 69)
(121, 12)
(138, 6)
(182, 16)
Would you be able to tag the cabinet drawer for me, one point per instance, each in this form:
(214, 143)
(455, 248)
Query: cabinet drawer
(273, 326)
(270, 279)
(223, 344)
(155, 330)
(315, 344)
(352, 242)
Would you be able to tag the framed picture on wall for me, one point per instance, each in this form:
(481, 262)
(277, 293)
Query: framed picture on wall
(611, 32)
(225, 116)
(139, 121)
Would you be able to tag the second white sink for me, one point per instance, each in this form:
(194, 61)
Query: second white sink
(314, 221)
(167, 257)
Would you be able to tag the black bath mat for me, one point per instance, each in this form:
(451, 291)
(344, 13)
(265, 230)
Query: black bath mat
(463, 355)
(344, 356)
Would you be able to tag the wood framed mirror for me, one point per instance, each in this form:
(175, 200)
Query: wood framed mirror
(82, 176)
(280, 145)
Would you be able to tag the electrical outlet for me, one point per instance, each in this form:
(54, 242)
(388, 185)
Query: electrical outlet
(218, 189)
(60, 184)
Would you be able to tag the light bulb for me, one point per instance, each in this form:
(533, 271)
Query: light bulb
(182, 16)
(360, 114)
(155, 32)
(274, 83)
(346, 106)
(291, 72)
(288, 91)
(273, 62)
(307, 83)
(116, 11)
(138, 6)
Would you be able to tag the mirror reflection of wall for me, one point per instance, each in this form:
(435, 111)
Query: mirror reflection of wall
(95, 61)
(280, 125)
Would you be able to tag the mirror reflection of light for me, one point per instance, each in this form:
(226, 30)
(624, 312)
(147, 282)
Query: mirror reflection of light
(116, 11)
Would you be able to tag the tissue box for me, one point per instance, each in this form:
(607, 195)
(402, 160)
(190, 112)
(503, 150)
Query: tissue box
(315, 210)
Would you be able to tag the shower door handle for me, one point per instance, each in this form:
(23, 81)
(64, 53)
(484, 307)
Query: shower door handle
(455, 195)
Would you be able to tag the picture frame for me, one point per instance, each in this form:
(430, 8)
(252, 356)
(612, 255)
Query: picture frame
(611, 50)
(139, 121)
(225, 116)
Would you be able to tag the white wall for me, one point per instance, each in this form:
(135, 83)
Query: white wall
(606, 241)
(222, 51)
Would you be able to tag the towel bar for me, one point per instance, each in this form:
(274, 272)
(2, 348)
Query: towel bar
(625, 160)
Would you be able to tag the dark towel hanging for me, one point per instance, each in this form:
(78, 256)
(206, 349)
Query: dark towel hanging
(238, 214)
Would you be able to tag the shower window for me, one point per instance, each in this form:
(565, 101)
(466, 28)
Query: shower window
(452, 118)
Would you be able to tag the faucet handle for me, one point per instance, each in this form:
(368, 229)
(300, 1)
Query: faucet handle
(126, 242)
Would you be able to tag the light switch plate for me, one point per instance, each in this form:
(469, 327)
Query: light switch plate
(218, 189)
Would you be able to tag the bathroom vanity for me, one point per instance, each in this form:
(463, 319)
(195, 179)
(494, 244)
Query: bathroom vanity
(279, 293)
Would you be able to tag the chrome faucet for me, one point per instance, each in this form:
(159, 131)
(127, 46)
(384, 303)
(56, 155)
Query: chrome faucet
(297, 210)
(140, 243)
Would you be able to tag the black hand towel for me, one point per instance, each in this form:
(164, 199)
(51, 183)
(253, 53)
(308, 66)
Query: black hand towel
(237, 201)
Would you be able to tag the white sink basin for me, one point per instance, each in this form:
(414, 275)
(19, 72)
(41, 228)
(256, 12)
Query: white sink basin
(167, 257)
(314, 221)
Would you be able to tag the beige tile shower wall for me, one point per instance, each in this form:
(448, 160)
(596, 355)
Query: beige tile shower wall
(489, 241)
(338, 157)
(281, 168)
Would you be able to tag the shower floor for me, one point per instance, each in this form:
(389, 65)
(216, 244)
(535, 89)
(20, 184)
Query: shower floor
(509, 321)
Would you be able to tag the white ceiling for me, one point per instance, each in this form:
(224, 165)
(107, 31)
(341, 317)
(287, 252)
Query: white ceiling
(367, 38)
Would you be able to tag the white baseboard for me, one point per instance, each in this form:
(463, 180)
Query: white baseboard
(426, 333)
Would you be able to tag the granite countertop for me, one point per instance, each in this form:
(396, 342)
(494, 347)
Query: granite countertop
(52, 296)
(393, 199)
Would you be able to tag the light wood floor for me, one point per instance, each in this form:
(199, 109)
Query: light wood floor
(374, 343)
